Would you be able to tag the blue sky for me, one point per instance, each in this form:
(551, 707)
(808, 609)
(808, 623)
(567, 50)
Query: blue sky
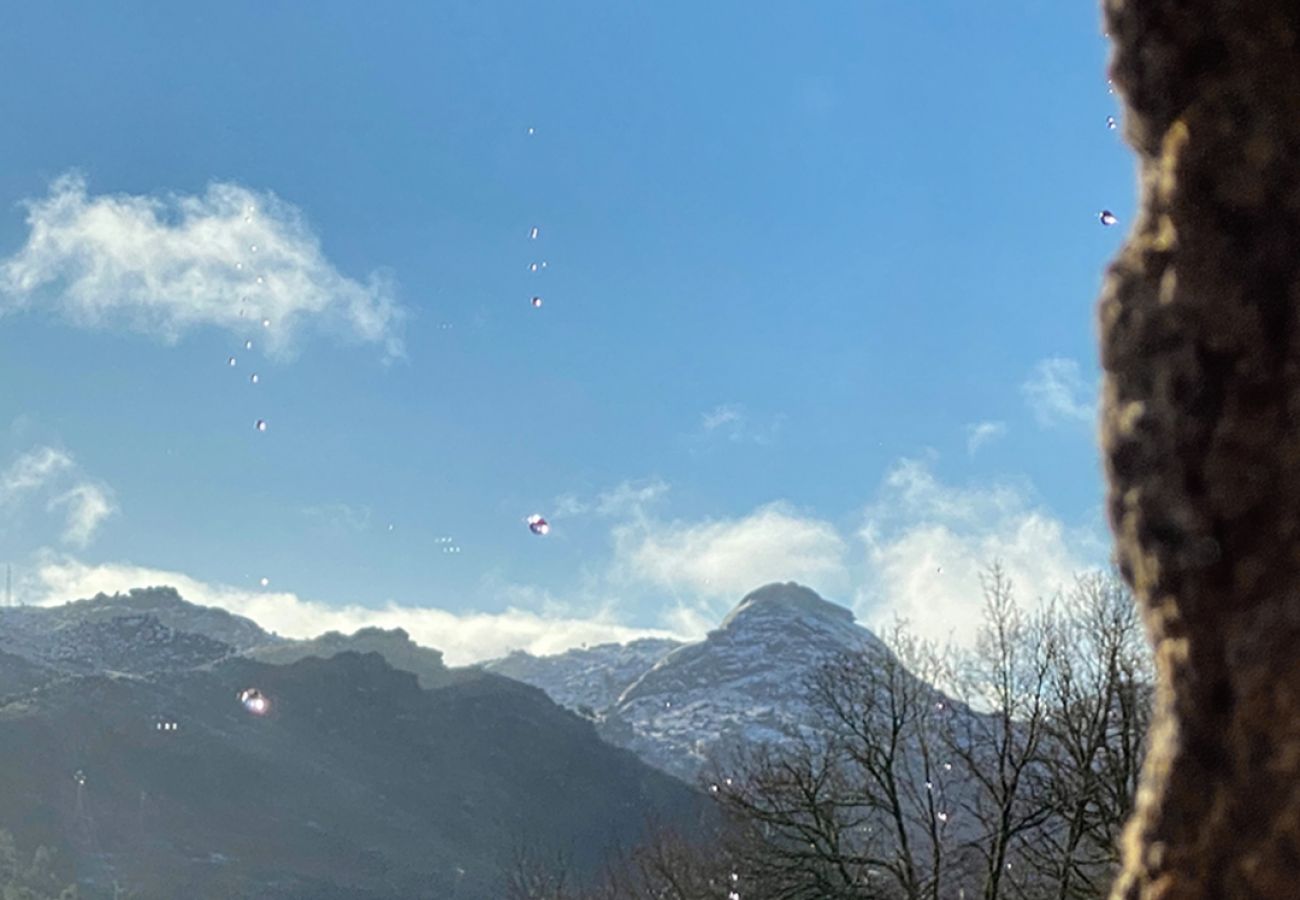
(796, 259)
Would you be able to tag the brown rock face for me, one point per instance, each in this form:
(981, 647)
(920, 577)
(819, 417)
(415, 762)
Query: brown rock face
(1201, 431)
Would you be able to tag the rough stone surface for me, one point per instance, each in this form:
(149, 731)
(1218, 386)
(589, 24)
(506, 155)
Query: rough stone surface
(1201, 433)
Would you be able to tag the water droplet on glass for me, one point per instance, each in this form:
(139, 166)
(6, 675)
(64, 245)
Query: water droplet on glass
(252, 248)
(248, 345)
(79, 777)
(538, 525)
(537, 302)
(254, 701)
(253, 378)
(390, 526)
(530, 131)
(231, 361)
(1107, 218)
(943, 817)
(532, 235)
(264, 581)
(545, 264)
(1110, 122)
(266, 323)
(261, 425)
(239, 265)
(532, 267)
(259, 279)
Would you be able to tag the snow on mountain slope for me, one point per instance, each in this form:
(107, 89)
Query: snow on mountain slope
(588, 679)
(146, 630)
(746, 681)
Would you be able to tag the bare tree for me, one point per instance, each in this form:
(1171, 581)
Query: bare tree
(1004, 682)
(540, 875)
(1098, 708)
(882, 717)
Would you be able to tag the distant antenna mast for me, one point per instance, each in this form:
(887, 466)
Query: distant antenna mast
(9, 585)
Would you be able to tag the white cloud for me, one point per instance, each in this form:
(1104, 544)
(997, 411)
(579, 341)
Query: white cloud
(732, 422)
(628, 499)
(166, 266)
(31, 471)
(463, 637)
(42, 469)
(728, 557)
(88, 505)
(928, 542)
(1057, 393)
(981, 433)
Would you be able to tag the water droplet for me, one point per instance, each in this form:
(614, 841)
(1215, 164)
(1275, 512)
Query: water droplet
(252, 248)
(231, 361)
(266, 323)
(254, 701)
(261, 425)
(239, 265)
(390, 526)
(1107, 218)
(545, 264)
(532, 267)
(532, 235)
(79, 777)
(537, 302)
(264, 581)
(538, 525)
(254, 378)
(942, 817)
(530, 131)
(248, 345)
(1110, 123)
(259, 279)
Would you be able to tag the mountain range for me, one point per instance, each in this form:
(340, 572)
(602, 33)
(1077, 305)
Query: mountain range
(377, 770)
(124, 745)
(679, 705)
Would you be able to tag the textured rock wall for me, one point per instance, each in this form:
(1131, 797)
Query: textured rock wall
(1201, 434)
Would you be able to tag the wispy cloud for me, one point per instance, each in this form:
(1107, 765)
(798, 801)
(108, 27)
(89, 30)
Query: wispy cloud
(979, 434)
(31, 471)
(1058, 394)
(628, 499)
(339, 516)
(725, 558)
(88, 504)
(42, 470)
(463, 637)
(165, 266)
(732, 422)
(927, 543)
